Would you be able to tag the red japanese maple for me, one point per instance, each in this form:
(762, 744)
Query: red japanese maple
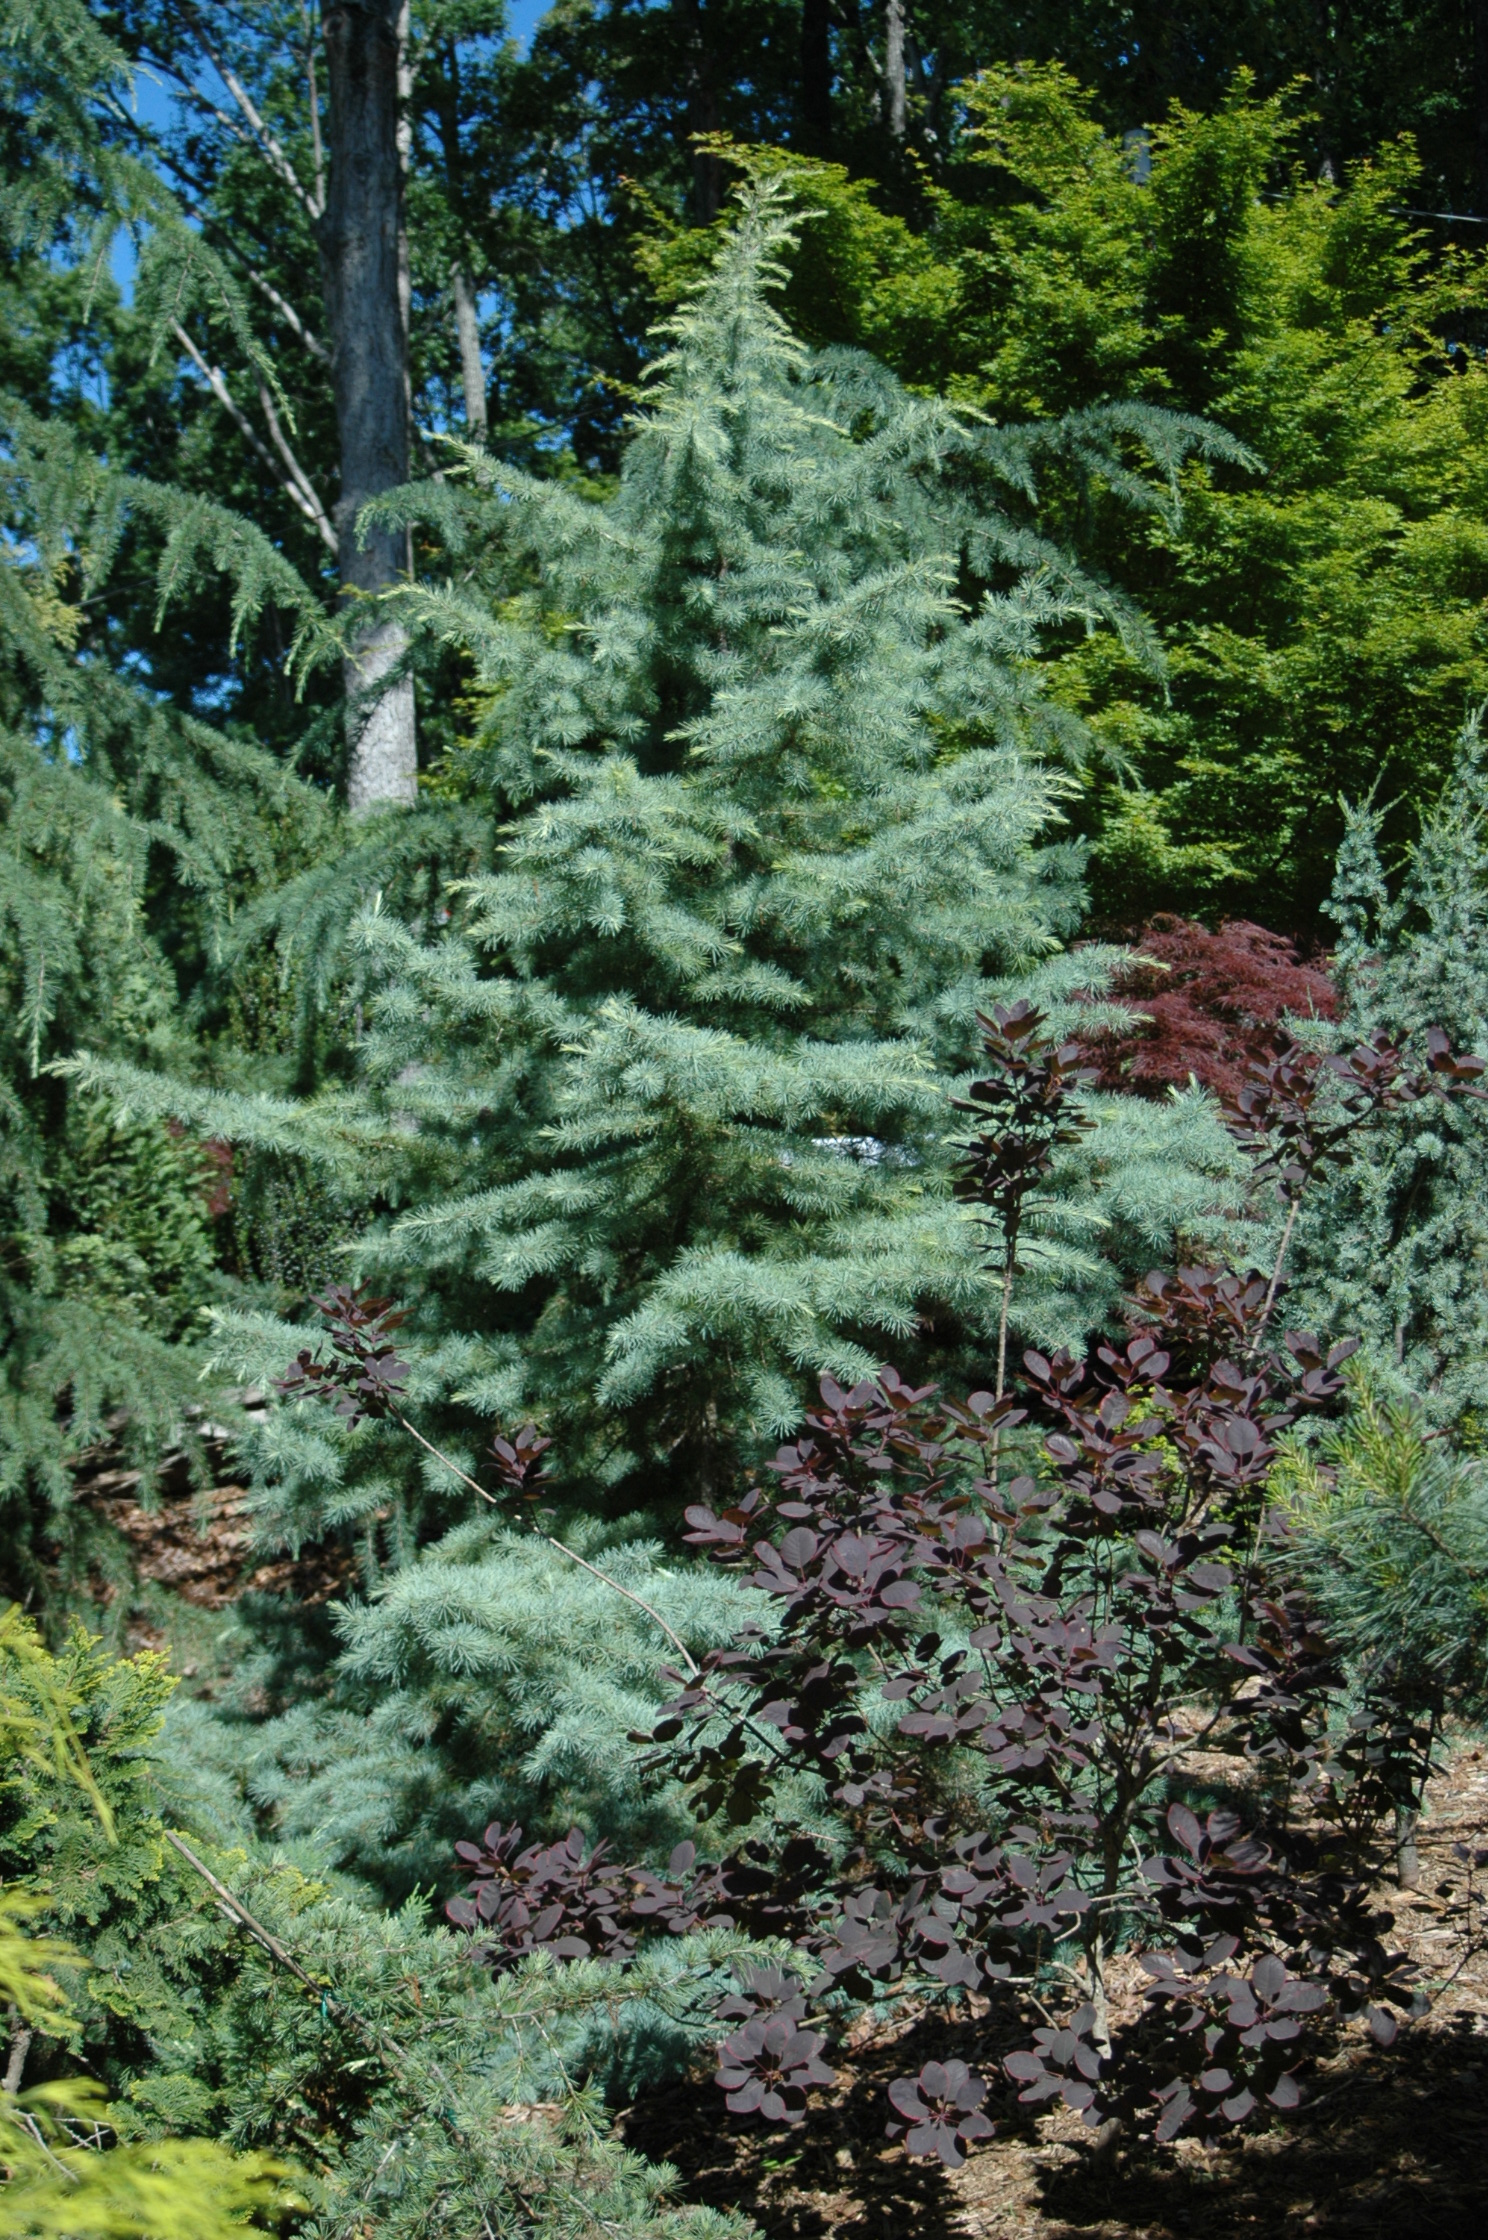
(1210, 1004)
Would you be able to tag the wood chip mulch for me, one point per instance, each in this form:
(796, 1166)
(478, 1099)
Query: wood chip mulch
(197, 1540)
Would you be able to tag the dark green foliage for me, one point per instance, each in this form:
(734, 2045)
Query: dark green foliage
(137, 1200)
(131, 830)
(1372, 69)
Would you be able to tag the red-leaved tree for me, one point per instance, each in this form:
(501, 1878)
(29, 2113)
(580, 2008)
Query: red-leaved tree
(1211, 1004)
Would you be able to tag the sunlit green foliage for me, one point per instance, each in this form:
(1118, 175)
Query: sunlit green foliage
(1389, 1529)
(73, 2166)
(418, 2090)
(1321, 611)
(662, 1121)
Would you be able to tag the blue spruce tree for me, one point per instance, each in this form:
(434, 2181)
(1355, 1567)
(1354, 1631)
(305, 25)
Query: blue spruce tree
(659, 1126)
(1395, 1246)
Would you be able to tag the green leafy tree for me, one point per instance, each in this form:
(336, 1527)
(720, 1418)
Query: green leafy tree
(1320, 601)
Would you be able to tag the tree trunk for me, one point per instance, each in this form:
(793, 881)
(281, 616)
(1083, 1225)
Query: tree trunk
(702, 115)
(462, 281)
(472, 370)
(362, 269)
(816, 76)
(1322, 78)
(894, 67)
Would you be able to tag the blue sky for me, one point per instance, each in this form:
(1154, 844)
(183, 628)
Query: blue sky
(523, 16)
(153, 103)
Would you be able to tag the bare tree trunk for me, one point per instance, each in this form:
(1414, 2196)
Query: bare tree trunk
(405, 165)
(702, 116)
(20, 2046)
(363, 271)
(816, 75)
(894, 66)
(1332, 46)
(472, 370)
(462, 281)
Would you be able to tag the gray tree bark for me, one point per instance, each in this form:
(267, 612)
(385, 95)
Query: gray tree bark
(472, 370)
(702, 111)
(462, 281)
(894, 66)
(1480, 105)
(362, 271)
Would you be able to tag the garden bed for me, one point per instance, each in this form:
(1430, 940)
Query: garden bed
(1390, 2144)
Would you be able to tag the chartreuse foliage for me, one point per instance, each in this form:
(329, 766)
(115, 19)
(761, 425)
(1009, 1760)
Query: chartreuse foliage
(1321, 610)
(662, 1120)
(414, 2091)
(72, 2164)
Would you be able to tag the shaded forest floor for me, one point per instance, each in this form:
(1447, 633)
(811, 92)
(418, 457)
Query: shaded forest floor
(194, 1543)
(1391, 2145)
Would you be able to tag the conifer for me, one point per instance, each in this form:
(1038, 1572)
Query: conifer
(661, 1122)
(406, 2088)
(130, 829)
(1393, 1246)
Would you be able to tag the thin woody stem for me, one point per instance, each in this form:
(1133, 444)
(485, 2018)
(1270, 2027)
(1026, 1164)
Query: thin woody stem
(1281, 1252)
(1002, 1325)
(367, 2031)
(584, 1565)
(1009, 1269)
(694, 1670)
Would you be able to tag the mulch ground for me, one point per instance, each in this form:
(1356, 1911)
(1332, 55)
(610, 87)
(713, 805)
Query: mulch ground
(1391, 2145)
(196, 1541)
